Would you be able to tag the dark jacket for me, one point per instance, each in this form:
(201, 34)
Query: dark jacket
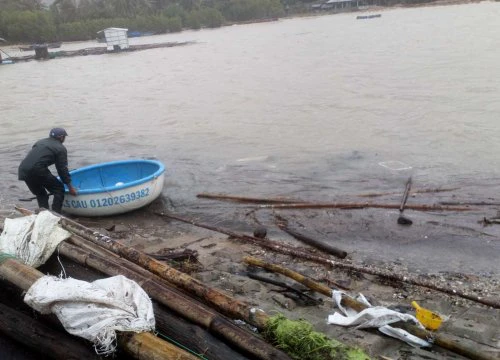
(46, 152)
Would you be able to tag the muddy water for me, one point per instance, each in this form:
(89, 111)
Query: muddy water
(313, 108)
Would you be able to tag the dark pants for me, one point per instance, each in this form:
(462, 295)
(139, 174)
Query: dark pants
(39, 182)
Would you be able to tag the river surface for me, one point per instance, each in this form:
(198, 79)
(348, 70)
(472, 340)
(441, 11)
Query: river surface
(312, 108)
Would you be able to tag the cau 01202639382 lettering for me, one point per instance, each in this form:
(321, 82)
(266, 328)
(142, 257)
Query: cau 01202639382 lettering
(108, 201)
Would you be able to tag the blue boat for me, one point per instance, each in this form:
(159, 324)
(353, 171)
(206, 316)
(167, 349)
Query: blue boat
(114, 187)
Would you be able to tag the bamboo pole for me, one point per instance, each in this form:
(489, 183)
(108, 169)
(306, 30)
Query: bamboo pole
(181, 304)
(442, 340)
(151, 348)
(347, 206)
(284, 249)
(41, 338)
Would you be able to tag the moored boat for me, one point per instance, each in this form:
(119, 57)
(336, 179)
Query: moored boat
(114, 187)
(362, 17)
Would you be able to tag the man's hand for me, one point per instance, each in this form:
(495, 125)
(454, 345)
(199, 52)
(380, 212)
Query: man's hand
(72, 190)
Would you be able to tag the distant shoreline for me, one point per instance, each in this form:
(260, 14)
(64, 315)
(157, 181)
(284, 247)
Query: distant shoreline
(371, 8)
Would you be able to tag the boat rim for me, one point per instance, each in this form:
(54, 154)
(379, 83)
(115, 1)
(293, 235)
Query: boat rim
(156, 174)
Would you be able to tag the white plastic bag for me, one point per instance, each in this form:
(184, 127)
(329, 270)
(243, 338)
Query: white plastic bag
(376, 317)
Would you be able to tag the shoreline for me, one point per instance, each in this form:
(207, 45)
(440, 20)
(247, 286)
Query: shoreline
(369, 8)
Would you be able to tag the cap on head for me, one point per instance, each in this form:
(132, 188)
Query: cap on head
(57, 132)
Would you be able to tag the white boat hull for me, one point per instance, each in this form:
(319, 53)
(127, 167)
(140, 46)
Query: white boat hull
(114, 202)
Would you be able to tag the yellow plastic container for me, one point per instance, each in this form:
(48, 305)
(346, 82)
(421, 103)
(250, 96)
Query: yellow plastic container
(429, 319)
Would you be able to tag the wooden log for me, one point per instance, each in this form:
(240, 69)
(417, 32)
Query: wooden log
(179, 303)
(350, 206)
(41, 338)
(24, 276)
(244, 199)
(442, 340)
(282, 223)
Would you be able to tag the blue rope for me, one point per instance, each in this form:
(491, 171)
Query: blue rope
(5, 256)
(201, 356)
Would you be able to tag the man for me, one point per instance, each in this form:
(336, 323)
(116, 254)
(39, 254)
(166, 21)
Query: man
(34, 170)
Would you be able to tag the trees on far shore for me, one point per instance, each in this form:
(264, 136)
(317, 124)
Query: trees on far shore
(30, 21)
(68, 20)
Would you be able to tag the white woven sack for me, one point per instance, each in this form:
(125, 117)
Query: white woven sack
(94, 311)
(32, 238)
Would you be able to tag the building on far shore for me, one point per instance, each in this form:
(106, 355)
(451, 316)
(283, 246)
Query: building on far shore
(116, 38)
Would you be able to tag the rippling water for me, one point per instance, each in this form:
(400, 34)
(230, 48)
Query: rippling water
(305, 107)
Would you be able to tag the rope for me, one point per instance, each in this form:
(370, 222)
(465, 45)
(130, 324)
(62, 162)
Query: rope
(5, 256)
(170, 340)
(63, 271)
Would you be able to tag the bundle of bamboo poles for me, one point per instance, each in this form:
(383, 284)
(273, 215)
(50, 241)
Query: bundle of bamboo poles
(160, 282)
(143, 345)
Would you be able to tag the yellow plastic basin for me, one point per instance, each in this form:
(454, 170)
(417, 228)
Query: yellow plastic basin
(429, 319)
